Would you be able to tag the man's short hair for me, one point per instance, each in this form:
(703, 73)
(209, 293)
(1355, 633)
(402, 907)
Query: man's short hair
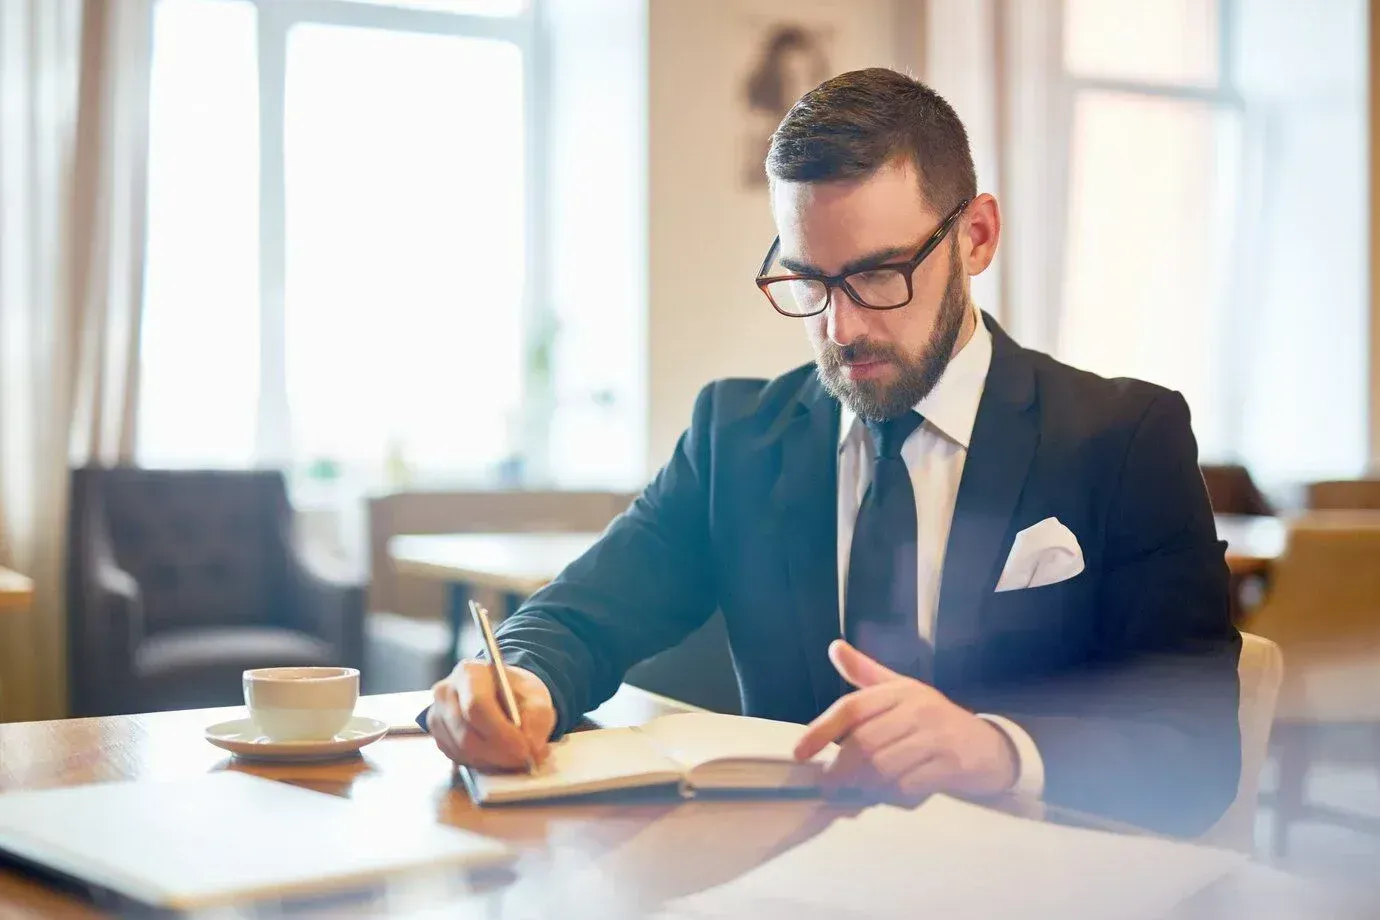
(853, 124)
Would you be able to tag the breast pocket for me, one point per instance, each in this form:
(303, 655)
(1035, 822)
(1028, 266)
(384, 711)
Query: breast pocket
(1028, 606)
(1030, 630)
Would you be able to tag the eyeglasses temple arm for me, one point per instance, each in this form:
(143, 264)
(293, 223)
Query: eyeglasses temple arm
(771, 254)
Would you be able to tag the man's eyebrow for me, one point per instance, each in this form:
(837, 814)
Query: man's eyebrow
(871, 260)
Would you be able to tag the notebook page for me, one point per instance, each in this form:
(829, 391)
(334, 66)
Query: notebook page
(590, 761)
(693, 738)
(958, 861)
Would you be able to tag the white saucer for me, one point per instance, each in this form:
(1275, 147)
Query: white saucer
(239, 736)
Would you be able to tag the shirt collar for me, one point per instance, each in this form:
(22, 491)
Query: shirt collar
(951, 407)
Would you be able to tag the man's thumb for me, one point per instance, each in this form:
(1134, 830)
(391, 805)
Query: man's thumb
(856, 668)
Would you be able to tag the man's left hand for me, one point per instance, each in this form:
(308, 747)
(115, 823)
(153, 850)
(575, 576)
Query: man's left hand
(898, 735)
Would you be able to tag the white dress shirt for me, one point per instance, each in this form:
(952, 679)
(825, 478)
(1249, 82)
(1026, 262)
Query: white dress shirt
(934, 454)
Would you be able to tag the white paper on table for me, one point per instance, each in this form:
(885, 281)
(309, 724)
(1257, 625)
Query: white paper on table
(955, 860)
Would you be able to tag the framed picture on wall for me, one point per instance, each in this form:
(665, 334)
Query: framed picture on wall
(790, 58)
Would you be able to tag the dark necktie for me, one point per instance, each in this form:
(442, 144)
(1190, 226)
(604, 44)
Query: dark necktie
(881, 612)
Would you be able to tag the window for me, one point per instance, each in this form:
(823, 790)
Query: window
(1171, 43)
(1153, 174)
(201, 330)
(339, 272)
(405, 281)
(1215, 227)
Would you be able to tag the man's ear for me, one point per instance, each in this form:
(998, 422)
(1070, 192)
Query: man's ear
(980, 231)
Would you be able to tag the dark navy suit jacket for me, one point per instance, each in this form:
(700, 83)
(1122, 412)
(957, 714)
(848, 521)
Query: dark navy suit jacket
(1124, 675)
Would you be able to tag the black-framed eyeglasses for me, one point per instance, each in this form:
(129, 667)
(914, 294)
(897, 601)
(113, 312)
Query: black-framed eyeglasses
(881, 287)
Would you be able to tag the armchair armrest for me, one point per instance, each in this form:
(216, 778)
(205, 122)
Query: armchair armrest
(326, 602)
(122, 605)
(104, 648)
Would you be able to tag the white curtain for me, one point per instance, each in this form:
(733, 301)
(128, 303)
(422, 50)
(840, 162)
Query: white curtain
(73, 129)
(996, 62)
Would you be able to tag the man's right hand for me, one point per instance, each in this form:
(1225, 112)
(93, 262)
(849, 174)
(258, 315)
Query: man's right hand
(469, 724)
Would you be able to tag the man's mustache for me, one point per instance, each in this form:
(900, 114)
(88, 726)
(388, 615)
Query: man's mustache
(859, 352)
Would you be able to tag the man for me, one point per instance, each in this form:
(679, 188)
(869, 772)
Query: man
(975, 568)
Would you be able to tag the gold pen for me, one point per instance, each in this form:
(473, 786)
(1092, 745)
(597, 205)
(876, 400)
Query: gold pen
(505, 687)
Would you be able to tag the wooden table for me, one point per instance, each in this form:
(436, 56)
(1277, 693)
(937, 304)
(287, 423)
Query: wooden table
(1253, 542)
(512, 563)
(515, 565)
(597, 859)
(521, 563)
(16, 591)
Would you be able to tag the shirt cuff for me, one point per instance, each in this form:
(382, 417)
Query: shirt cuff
(1030, 766)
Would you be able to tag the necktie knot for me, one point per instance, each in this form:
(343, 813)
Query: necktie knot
(888, 436)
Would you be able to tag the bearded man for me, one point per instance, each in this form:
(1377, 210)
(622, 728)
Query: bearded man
(978, 570)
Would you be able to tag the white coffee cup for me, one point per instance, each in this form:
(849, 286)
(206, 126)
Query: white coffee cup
(300, 704)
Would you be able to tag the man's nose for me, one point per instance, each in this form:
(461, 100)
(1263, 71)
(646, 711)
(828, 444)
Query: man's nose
(847, 321)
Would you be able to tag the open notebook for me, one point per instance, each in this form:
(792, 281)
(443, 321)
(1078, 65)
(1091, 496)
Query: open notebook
(218, 838)
(694, 750)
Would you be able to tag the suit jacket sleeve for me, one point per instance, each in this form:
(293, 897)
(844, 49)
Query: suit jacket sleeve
(642, 588)
(1149, 733)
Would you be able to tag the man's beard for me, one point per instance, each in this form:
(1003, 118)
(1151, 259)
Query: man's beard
(875, 401)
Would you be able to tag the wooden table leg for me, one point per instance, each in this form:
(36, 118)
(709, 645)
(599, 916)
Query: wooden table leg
(458, 594)
(1248, 590)
(457, 614)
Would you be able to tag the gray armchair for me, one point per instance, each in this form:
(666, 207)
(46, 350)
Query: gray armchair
(180, 580)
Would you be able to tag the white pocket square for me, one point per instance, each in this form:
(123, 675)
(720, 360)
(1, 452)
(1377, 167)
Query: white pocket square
(1042, 554)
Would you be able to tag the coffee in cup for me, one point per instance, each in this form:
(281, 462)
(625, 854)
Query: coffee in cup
(300, 704)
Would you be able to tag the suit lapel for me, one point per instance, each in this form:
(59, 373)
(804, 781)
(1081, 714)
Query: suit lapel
(805, 501)
(1005, 435)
